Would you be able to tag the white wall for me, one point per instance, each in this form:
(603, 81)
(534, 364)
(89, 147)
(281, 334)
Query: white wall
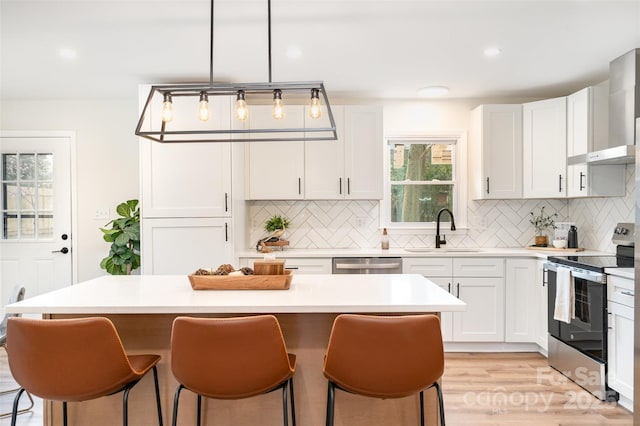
(108, 163)
(107, 160)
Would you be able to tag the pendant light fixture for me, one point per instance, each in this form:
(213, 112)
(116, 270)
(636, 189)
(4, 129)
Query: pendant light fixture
(169, 111)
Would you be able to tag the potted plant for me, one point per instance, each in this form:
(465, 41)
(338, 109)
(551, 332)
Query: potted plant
(124, 236)
(541, 222)
(276, 223)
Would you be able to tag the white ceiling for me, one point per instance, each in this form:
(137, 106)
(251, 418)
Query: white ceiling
(360, 48)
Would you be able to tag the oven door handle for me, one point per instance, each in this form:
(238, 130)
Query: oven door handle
(578, 273)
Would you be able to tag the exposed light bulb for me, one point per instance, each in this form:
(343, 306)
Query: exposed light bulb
(242, 111)
(167, 108)
(314, 109)
(278, 105)
(203, 108)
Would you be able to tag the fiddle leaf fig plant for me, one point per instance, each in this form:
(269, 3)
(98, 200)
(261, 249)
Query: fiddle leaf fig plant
(124, 236)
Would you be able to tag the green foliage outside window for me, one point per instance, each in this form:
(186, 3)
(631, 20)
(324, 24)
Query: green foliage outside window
(423, 183)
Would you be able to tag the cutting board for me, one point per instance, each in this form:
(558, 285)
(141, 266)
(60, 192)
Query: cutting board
(567, 250)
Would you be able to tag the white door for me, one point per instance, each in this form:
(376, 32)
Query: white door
(35, 205)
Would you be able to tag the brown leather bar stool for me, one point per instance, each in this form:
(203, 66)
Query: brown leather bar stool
(231, 358)
(74, 360)
(384, 357)
(16, 296)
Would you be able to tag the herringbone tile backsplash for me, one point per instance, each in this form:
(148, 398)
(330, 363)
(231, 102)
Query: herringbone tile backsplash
(491, 223)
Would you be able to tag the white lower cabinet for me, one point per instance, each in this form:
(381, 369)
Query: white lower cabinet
(183, 245)
(479, 282)
(541, 300)
(521, 313)
(298, 265)
(620, 338)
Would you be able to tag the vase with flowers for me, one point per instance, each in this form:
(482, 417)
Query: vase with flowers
(542, 222)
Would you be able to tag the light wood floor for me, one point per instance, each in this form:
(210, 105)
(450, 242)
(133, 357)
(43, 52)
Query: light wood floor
(479, 389)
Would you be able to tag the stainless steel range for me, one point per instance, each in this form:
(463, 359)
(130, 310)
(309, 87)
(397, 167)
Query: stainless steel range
(578, 347)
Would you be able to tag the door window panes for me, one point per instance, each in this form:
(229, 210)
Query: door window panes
(27, 196)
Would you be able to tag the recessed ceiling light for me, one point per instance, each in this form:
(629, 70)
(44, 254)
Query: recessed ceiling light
(433, 91)
(492, 52)
(67, 53)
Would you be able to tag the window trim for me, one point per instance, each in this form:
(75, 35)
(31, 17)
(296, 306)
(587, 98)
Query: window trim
(460, 179)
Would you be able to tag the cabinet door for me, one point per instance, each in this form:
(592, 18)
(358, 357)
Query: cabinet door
(483, 320)
(363, 152)
(185, 179)
(620, 346)
(275, 169)
(545, 149)
(446, 318)
(578, 123)
(478, 267)
(181, 246)
(520, 293)
(540, 302)
(324, 177)
(495, 152)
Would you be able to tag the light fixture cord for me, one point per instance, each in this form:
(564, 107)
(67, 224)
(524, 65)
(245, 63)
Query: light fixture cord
(211, 49)
(269, 38)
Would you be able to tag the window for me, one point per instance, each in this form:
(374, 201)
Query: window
(423, 177)
(27, 196)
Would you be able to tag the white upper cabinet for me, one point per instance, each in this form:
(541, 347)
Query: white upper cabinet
(587, 131)
(348, 168)
(495, 152)
(275, 170)
(545, 148)
(324, 164)
(186, 179)
(363, 152)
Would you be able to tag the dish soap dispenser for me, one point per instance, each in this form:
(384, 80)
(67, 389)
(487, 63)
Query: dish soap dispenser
(385, 240)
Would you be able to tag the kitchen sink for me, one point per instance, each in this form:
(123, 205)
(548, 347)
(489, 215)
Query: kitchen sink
(441, 250)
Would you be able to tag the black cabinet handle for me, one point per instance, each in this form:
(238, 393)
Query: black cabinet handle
(545, 278)
(559, 183)
(348, 186)
(340, 186)
(582, 175)
(487, 185)
(449, 287)
(226, 231)
(458, 290)
(226, 202)
(299, 186)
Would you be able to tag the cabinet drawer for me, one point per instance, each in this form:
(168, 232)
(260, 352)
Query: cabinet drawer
(478, 267)
(429, 267)
(301, 265)
(620, 290)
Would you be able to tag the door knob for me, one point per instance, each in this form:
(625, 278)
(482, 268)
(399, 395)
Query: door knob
(63, 250)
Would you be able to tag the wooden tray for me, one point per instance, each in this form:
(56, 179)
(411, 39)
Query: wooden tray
(280, 243)
(246, 282)
(568, 250)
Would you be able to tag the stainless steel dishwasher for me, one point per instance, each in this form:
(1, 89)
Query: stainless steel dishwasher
(367, 265)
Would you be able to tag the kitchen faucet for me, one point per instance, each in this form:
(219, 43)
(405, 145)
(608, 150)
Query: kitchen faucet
(453, 227)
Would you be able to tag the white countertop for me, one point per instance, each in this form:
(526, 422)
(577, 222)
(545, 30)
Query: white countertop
(160, 294)
(422, 252)
(621, 272)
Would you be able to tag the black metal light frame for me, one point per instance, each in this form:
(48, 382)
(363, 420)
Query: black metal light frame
(166, 134)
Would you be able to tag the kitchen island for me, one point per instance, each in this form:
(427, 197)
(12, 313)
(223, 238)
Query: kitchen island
(143, 308)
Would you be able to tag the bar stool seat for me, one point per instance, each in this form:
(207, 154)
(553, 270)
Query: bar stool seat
(231, 358)
(384, 357)
(74, 360)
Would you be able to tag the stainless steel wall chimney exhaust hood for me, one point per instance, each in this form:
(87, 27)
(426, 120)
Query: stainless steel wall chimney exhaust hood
(624, 108)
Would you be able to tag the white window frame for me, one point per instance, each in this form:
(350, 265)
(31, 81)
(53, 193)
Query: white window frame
(460, 182)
